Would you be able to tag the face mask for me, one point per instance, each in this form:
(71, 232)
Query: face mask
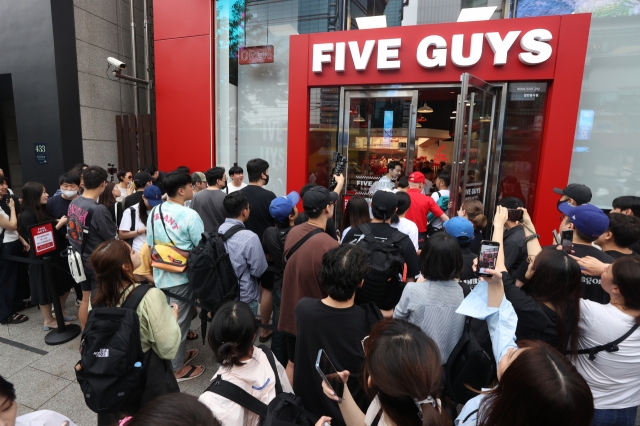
(266, 181)
(69, 194)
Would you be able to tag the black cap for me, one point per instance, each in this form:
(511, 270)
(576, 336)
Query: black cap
(581, 194)
(385, 202)
(317, 198)
(142, 178)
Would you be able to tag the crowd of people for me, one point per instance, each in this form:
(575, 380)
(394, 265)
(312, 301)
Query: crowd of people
(389, 296)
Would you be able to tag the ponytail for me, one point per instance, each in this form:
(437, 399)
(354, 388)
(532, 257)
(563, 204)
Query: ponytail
(233, 331)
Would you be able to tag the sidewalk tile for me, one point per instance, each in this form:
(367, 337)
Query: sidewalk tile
(14, 360)
(35, 387)
(70, 402)
(60, 361)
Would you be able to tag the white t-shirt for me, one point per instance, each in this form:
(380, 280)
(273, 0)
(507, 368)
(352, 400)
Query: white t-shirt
(372, 412)
(437, 222)
(613, 376)
(9, 236)
(125, 225)
(123, 193)
(408, 227)
(231, 188)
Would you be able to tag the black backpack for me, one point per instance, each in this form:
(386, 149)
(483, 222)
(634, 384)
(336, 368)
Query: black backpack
(381, 285)
(111, 370)
(284, 410)
(469, 364)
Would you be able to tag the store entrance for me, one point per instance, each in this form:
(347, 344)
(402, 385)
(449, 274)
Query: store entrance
(447, 127)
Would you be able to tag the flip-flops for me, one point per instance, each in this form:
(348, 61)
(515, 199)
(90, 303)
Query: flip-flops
(190, 375)
(193, 354)
(16, 319)
(193, 334)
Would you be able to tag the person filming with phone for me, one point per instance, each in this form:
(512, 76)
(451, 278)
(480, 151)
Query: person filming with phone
(515, 249)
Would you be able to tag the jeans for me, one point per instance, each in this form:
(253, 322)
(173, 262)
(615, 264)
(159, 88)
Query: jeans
(253, 305)
(9, 280)
(185, 313)
(619, 417)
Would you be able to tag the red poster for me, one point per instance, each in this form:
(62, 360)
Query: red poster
(43, 239)
(256, 55)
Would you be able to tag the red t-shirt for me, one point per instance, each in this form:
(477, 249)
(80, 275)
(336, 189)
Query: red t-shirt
(420, 207)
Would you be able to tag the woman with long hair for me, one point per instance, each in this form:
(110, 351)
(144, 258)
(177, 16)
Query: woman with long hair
(473, 210)
(548, 304)
(34, 212)
(133, 225)
(108, 199)
(114, 262)
(356, 214)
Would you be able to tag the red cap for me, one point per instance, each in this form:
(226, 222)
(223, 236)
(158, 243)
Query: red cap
(416, 177)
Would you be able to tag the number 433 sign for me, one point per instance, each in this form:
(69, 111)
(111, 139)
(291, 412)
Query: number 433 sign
(41, 152)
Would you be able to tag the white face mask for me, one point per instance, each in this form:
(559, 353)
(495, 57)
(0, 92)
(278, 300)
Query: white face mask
(69, 194)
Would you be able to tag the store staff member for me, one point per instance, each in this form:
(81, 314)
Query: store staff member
(394, 169)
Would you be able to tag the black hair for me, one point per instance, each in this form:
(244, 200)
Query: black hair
(380, 215)
(441, 258)
(392, 165)
(70, 178)
(122, 173)
(343, 269)
(404, 202)
(403, 182)
(94, 176)
(627, 202)
(255, 168)
(31, 196)
(183, 169)
(283, 224)
(511, 203)
(306, 189)
(2, 179)
(235, 169)
(625, 229)
(174, 409)
(235, 202)
(142, 211)
(174, 181)
(6, 389)
(356, 213)
(149, 168)
(426, 170)
(213, 175)
(584, 237)
(233, 331)
(444, 176)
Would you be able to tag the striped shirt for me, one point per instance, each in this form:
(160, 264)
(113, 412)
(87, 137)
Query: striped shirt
(431, 305)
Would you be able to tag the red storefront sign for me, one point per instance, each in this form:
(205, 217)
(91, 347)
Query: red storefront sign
(255, 55)
(43, 238)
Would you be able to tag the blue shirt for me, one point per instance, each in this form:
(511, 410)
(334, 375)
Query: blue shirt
(183, 226)
(502, 322)
(247, 259)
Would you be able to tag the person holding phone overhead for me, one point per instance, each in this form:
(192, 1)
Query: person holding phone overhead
(515, 248)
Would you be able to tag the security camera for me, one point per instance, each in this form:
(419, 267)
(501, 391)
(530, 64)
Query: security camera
(116, 63)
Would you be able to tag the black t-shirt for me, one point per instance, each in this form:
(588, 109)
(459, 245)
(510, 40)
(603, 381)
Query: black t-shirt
(384, 231)
(273, 244)
(58, 206)
(259, 217)
(330, 229)
(133, 199)
(476, 243)
(591, 288)
(617, 255)
(339, 332)
(515, 248)
(635, 247)
(468, 278)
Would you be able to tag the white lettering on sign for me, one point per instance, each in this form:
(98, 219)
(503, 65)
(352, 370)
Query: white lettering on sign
(534, 43)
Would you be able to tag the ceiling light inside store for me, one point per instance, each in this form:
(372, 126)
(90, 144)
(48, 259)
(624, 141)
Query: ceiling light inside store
(486, 119)
(358, 119)
(284, 30)
(453, 118)
(369, 22)
(425, 109)
(454, 112)
(476, 14)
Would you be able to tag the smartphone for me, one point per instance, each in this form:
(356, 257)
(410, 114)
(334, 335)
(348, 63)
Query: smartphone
(6, 197)
(488, 257)
(515, 215)
(567, 241)
(329, 374)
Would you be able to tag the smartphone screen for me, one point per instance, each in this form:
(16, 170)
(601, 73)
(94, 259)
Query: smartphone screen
(488, 257)
(515, 215)
(567, 241)
(329, 374)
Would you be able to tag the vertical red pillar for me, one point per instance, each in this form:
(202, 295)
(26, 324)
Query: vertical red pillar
(184, 49)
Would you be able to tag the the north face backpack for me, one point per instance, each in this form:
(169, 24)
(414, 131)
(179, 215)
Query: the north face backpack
(381, 285)
(110, 372)
(284, 410)
(443, 203)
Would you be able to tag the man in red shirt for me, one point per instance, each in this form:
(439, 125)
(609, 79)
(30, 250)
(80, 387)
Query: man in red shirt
(420, 207)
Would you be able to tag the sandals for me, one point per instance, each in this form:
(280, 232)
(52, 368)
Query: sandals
(265, 339)
(192, 335)
(16, 319)
(47, 328)
(190, 375)
(192, 354)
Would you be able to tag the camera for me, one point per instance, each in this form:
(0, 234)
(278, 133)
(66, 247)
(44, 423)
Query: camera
(112, 170)
(116, 63)
(340, 162)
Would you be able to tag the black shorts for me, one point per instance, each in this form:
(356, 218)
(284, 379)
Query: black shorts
(90, 283)
(290, 343)
(267, 279)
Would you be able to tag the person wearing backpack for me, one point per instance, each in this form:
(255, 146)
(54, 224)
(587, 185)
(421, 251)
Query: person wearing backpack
(441, 196)
(174, 226)
(389, 249)
(252, 371)
(244, 248)
(153, 344)
(133, 226)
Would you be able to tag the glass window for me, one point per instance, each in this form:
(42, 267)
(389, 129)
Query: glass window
(324, 110)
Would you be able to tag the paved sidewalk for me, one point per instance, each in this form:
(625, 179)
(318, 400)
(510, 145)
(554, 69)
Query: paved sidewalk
(44, 376)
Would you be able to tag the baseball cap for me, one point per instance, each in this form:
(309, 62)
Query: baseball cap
(198, 177)
(416, 177)
(280, 207)
(142, 178)
(459, 227)
(153, 195)
(385, 202)
(580, 193)
(587, 218)
(317, 198)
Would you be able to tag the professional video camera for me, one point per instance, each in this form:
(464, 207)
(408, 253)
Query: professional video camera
(340, 164)
(112, 170)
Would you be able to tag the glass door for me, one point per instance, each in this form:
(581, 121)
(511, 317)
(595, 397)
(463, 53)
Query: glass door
(473, 139)
(378, 128)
